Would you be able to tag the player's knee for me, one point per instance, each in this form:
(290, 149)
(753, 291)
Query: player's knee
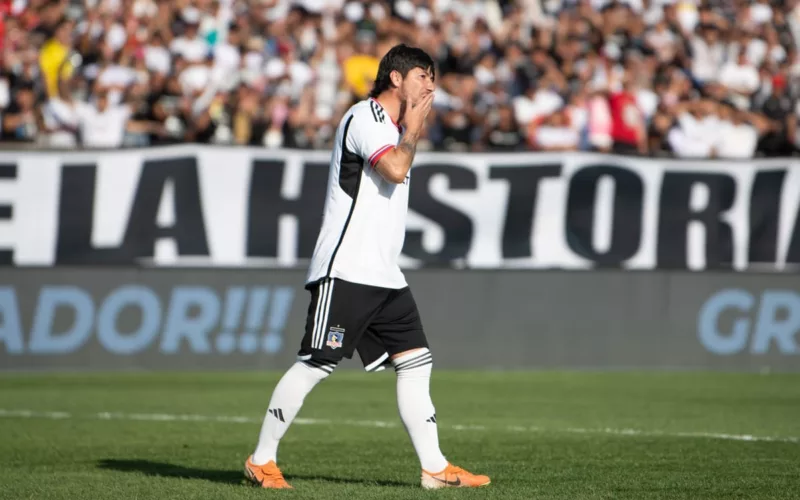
(414, 361)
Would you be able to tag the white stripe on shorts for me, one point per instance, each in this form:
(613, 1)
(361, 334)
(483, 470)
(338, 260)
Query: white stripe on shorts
(323, 287)
(378, 362)
(325, 314)
(321, 315)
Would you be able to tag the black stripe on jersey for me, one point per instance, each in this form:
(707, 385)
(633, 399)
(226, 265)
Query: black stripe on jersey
(377, 112)
(372, 108)
(350, 166)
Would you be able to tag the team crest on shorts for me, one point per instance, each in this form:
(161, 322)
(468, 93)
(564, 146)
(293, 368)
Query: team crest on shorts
(335, 337)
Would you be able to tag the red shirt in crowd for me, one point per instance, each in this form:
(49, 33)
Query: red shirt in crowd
(626, 118)
(5, 11)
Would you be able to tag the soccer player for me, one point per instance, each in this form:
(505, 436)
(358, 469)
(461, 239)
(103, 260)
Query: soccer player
(359, 297)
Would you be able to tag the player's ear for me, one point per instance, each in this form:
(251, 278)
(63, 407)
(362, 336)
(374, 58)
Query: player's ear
(396, 78)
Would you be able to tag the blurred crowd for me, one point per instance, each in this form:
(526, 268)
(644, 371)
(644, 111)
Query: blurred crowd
(678, 78)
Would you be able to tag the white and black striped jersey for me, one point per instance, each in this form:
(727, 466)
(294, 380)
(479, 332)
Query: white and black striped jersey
(364, 223)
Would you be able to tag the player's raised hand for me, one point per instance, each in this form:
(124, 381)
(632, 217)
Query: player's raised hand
(415, 116)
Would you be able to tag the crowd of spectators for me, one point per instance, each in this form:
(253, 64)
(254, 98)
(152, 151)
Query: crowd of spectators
(684, 78)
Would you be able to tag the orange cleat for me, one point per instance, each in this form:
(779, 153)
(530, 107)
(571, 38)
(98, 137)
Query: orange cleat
(452, 477)
(265, 476)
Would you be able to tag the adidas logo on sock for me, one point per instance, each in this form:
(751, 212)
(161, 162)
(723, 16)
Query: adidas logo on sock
(432, 419)
(277, 413)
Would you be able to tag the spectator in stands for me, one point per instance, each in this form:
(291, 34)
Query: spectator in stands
(739, 132)
(54, 61)
(778, 109)
(627, 119)
(625, 76)
(21, 120)
(556, 133)
(61, 119)
(501, 132)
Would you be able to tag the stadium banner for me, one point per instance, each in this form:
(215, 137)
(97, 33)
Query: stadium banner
(84, 318)
(208, 206)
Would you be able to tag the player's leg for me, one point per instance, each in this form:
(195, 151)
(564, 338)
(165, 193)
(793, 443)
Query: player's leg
(285, 403)
(399, 329)
(337, 314)
(288, 397)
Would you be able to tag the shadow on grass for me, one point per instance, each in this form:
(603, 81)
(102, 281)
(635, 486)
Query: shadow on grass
(160, 469)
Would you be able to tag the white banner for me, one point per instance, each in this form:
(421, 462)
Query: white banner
(219, 206)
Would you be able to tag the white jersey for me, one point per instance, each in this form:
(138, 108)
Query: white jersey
(364, 223)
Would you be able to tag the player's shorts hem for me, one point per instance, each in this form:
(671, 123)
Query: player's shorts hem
(379, 364)
(323, 356)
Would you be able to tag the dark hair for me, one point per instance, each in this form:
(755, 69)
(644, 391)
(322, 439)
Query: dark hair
(400, 58)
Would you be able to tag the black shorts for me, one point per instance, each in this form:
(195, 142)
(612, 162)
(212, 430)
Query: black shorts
(345, 317)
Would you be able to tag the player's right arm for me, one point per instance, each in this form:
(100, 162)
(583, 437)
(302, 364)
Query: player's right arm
(395, 164)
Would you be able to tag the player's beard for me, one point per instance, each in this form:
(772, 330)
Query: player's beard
(404, 99)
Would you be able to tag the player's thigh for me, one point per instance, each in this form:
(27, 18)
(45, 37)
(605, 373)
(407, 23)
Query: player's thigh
(337, 317)
(398, 326)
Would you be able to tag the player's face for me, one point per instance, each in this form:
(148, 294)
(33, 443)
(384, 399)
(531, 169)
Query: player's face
(417, 84)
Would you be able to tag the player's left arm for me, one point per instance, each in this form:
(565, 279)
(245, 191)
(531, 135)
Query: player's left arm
(395, 164)
(372, 139)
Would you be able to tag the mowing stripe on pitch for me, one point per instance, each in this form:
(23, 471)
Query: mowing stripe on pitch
(167, 417)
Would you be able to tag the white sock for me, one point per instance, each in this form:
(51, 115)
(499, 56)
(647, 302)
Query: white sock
(287, 398)
(416, 408)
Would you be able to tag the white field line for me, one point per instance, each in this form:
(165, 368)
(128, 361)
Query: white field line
(166, 417)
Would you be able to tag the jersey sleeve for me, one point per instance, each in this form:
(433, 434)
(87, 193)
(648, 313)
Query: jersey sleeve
(371, 139)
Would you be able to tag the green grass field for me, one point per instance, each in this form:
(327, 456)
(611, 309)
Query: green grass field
(547, 435)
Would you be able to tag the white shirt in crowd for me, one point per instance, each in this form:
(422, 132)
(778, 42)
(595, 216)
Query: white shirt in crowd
(760, 13)
(544, 103)
(157, 59)
(694, 138)
(742, 78)
(647, 101)
(685, 145)
(104, 129)
(192, 49)
(195, 79)
(117, 76)
(736, 141)
(61, 114)
(709, 136)
(300, 74)
(688, 14)
(661, 37)
(116, 36)
(557, 137)
(706, 59)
